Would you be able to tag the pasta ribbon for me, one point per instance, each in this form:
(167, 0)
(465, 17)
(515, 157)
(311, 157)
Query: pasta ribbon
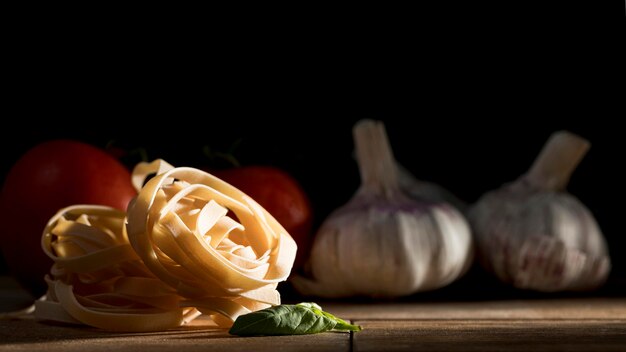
(97, 279)
(208, 241)
(189, 244)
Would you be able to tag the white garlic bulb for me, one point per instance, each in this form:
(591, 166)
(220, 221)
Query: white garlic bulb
(533, 234)
(382, 242)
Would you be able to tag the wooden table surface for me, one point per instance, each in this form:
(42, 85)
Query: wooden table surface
(576, 324)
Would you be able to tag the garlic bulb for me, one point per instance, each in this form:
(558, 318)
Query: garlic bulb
(383, 243)
(533, 234)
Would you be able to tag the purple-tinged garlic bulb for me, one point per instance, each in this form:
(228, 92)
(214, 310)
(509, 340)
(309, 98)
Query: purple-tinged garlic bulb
(382, 243)
(533, 234)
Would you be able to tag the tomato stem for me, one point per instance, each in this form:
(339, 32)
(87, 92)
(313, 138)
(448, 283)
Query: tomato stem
(226, 156)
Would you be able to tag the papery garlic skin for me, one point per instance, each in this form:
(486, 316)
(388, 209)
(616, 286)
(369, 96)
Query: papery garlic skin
(389, 251)
(426, 191)
(540, 241)
(224, 266)
(534, 235)
(382, 243)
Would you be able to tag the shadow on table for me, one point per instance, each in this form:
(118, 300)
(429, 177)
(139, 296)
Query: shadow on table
(28, 330)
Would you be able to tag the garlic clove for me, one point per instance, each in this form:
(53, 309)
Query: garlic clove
(547, 264)
(532, 234)
(382, 243)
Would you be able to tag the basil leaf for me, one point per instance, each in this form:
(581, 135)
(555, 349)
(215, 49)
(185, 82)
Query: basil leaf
(281, 320)
(299, 319)
(310, 305)
(342, 325)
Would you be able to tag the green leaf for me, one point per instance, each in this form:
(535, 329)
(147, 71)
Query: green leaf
(309, 305)
(299, 319)
(341, 325)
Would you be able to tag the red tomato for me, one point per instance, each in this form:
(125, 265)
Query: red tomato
(281, 196)
(50, 176)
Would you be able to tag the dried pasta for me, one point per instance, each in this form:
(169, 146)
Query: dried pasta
(189, 244)
(97, 278)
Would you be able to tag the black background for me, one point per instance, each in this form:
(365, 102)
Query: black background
(469, 94)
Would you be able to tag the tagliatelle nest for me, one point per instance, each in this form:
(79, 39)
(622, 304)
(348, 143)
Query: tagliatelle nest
(195, 243)
(98, 279)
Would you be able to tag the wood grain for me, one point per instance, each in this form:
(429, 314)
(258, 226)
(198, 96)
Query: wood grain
(29, 335)
(491, 335)
(579, 308)
(581, 324)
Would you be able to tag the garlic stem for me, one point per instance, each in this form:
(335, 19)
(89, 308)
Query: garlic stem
(375, 158)
(557, 161)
